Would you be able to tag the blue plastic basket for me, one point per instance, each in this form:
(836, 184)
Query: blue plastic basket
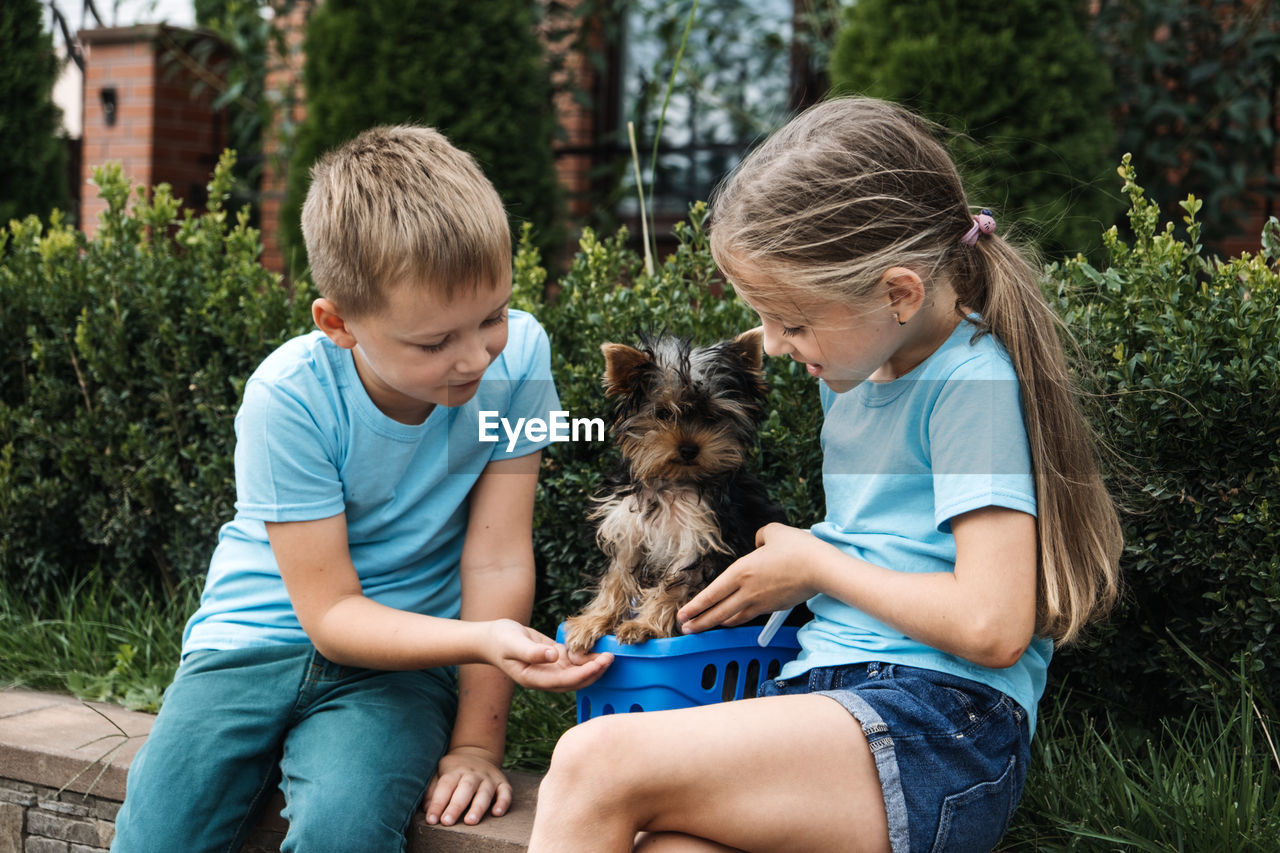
(681, 672)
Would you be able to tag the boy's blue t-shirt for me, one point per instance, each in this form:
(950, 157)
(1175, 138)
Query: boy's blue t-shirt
(900, 460)
(311, 444)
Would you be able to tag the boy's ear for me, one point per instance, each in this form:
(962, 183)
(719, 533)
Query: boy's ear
(329, 320)
(750, 346)
(905, 291)
(621, 367)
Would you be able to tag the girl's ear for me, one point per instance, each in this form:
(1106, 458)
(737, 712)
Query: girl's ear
(328, 320)
(904, 290)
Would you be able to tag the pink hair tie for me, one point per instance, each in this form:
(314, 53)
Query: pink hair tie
(983, 223)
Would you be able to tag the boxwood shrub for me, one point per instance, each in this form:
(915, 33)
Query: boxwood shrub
(1186, 352)
(122, 359)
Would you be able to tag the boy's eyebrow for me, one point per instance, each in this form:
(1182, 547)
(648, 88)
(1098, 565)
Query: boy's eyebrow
(421, 336)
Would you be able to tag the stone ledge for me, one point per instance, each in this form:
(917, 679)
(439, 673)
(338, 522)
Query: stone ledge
(51, 743)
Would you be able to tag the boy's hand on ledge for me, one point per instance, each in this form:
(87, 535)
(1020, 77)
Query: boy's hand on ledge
(466, 782)
(536, 661)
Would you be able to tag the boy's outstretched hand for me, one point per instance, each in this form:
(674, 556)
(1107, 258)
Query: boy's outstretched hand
(536, 661)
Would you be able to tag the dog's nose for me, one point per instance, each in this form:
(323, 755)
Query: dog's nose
(688, 451)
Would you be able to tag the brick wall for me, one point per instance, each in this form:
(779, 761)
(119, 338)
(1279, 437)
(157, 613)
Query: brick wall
(42, 820)
(165, 128)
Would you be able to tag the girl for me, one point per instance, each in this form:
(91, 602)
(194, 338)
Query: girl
(967, 527)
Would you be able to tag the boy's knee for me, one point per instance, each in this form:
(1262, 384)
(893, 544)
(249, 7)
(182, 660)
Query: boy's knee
(347, 818)
(342, 832)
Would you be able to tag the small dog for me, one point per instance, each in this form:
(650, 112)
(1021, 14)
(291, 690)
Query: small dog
(682, 507)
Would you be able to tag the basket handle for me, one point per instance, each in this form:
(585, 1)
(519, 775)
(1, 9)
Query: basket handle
(771, 627)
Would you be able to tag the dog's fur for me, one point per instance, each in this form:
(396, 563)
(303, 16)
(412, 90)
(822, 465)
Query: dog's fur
(682, 507)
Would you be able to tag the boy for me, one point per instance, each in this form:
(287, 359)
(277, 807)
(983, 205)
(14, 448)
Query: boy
(369, 517)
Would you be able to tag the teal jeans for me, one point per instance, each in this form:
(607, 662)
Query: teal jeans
(352, 750)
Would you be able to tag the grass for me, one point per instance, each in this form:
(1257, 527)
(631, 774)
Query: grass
(1207, 781)
(98, 640)
(104, 642)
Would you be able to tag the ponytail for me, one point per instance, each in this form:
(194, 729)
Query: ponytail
(1079, 531)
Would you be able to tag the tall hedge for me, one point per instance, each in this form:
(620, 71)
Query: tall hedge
(122, 359)
(1187, 350)
(474, 69)
(1022, 85)
(33, 155)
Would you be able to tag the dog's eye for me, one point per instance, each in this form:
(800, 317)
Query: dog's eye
(664, 414)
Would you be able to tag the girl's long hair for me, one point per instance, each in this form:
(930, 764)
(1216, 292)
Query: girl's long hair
(854, 186)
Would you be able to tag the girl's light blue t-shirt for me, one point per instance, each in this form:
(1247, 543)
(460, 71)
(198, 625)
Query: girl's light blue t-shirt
(900, 460)
(311, 444)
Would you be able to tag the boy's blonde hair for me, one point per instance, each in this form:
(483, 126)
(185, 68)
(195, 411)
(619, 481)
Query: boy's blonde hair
(400, 203)
(855, 186)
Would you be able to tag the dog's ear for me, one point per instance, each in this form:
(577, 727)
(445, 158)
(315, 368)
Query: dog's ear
(750, 347)
(622, 366)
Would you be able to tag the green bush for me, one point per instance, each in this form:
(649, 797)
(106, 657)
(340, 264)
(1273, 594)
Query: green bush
(1022, 85)
(122, 359)
(1187, 351)
(606, 295)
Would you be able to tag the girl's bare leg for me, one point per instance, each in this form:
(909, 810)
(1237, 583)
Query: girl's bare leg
(674, 842)
(775, 774)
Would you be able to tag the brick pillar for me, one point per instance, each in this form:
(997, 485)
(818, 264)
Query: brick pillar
(284, 88)
(577, 120)
(165, 128)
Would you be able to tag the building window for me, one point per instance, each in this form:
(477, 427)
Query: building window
(733, 86)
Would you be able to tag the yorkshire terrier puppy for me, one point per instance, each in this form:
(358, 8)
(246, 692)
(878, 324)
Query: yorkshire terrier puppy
(682, 507)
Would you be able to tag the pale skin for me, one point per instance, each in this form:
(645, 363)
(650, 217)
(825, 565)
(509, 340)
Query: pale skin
(795, 773)
(416, 353)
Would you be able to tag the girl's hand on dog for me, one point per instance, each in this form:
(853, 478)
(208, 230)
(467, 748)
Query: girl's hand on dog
(467, 781)
(775, 576)
(536, 661)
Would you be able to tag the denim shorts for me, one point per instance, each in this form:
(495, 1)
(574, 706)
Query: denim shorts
(952, 754)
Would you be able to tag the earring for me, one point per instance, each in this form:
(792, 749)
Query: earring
(901, 322)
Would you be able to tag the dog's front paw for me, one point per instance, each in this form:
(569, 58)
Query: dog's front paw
(581, 633)
(634, 631)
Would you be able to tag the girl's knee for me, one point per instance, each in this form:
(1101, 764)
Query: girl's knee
(586, 761)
